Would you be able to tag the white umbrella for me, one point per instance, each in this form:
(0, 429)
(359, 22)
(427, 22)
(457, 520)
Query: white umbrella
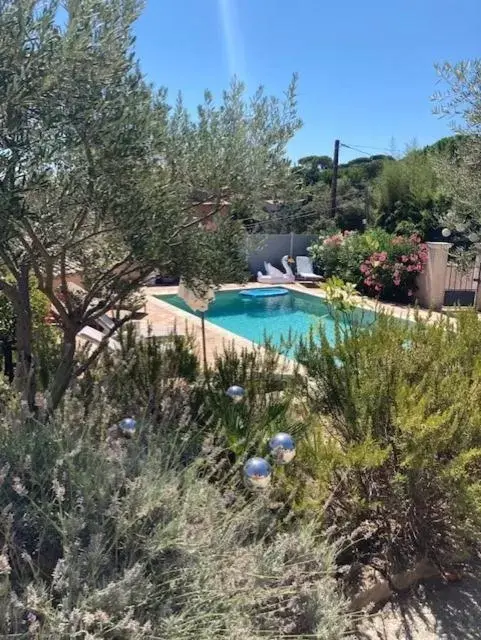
(198, 297)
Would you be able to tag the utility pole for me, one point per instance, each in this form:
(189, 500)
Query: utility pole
(335, 166)
(367, 197)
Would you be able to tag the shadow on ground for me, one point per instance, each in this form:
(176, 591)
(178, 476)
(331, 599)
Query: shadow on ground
(433, 611)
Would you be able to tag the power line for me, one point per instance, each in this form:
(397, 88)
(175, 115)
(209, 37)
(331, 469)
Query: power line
(366, 146)
(347, 146)
(251, 225)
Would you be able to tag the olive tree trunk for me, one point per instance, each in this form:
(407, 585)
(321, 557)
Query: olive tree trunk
(63, 374)
(24, 381)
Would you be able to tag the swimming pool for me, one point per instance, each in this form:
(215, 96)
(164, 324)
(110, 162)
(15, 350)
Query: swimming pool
(270, 317)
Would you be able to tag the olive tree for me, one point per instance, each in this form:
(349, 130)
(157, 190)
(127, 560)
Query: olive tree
(99, 172)
(460, 168)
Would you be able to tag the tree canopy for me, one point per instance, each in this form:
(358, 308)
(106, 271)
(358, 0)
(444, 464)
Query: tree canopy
(99, 172)
(459, 168)
(404, 194)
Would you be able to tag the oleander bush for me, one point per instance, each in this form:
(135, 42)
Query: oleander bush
(379, 264)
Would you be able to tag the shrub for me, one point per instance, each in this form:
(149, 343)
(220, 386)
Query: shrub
(138, 378)
(395, 458)
(268, 407)
(392, 272)
(118, 539)
(376, 262)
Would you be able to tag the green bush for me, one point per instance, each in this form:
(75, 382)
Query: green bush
(136, 378)
(395, 459)
(238, 431)
(408, 195)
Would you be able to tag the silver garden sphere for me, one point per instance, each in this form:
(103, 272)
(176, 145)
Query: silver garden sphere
(282, 447)
(127, 427)
(446, 232)
(236, 393)
(257, 473)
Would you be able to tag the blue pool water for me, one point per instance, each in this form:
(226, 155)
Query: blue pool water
(271, 317)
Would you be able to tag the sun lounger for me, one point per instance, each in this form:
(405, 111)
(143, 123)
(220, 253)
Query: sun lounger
(305, 270)
(94, 337)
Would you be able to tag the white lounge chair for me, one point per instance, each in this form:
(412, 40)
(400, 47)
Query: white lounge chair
(104, 321)
(274, 275)
(305, 270)
(94, 337)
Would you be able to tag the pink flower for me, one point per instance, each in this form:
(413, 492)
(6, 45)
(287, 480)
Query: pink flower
(410, 292)
(397, 240)
(365, 268)
(377, 287)
(382, 257)
(404, 258)
(334, 241)
(423, 255)
(416, 238)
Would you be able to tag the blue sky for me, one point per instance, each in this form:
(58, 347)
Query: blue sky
(366, 68)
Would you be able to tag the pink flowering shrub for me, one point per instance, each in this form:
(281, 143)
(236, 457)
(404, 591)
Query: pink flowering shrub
(392, 272)
(378, 263)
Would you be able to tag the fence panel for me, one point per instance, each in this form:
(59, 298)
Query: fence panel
(271, 247)
(461, 284)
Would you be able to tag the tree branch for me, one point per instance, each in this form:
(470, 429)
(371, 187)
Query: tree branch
(196, 221)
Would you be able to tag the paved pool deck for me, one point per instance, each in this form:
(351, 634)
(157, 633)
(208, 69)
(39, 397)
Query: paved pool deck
(164, 315)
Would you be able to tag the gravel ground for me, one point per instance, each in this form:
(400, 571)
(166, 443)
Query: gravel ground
(433, 612)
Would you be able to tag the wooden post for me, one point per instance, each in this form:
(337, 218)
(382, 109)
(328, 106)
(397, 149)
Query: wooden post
(335, 167)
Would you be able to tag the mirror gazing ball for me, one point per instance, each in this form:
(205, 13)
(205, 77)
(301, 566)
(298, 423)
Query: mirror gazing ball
(446, 232)
(236, 393)
(257, 473)
(282, 447)
(128, 426)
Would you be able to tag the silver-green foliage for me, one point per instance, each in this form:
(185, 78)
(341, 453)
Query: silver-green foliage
(100, 174)
(460, 170)
(108, 538)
